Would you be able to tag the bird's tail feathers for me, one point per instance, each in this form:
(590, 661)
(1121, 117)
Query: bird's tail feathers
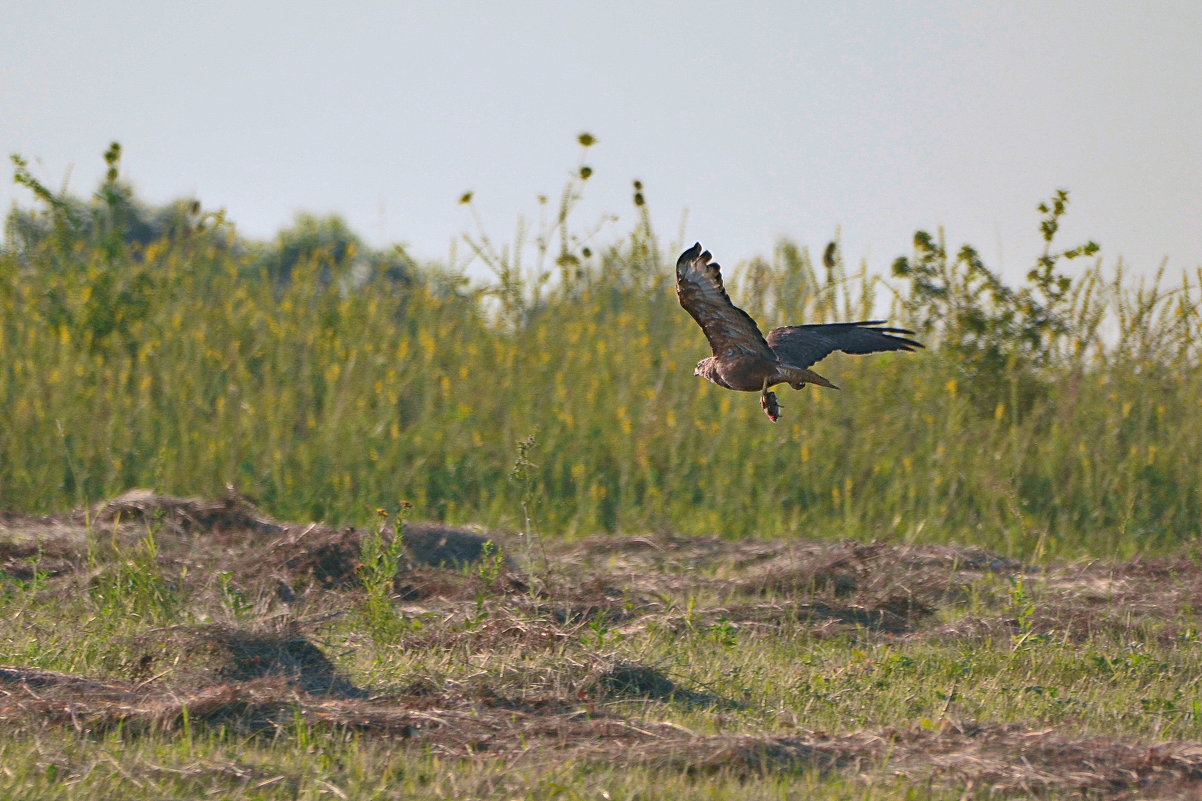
(800, 376)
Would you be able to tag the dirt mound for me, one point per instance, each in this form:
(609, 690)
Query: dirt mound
(895, 616)
(258, 557)
(309, 555)
(44, 558)
(187, 657)
(877, 572)
(502, 628)
(427, 542)
(749, 756)
(229, 512)
(630, 680)
(440, 545)
(1015, 759)
(1008, 759)
(49, 680)
(458, 720)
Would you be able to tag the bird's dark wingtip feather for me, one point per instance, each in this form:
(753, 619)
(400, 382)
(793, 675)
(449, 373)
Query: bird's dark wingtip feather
(910, 344)
(690, 254)
(904, 344)
(892, 333)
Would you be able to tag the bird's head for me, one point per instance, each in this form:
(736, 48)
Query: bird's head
(705, 368)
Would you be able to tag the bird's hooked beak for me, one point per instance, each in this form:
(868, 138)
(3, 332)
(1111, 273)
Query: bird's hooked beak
(697, 369)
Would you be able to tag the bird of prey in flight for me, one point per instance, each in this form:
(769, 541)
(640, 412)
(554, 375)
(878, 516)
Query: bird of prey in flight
(747, 361)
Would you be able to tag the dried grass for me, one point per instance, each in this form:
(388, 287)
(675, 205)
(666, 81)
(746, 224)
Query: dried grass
(268, 677)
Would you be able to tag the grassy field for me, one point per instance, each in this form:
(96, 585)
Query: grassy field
(972, 572)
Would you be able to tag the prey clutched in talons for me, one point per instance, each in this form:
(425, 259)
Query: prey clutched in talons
(770, 406)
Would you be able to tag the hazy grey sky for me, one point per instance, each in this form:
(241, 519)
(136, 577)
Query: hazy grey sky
(760, 119)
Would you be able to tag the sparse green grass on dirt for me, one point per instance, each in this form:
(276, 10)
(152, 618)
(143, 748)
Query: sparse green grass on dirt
(176, 647)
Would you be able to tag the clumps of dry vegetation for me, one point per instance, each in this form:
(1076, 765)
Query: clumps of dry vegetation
(455, 720)
(197, 538)
(1002, 760)
(231, 512)
(695, 656)
(480, 723)
(212, 653)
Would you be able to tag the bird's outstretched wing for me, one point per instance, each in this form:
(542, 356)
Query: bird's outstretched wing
(802, 345)
(729, 329)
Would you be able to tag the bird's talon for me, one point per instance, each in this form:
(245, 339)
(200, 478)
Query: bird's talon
(770, 405)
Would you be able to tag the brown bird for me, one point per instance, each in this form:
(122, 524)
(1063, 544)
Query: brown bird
(744, 360)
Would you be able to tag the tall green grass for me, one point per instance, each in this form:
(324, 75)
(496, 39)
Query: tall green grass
(180, 364)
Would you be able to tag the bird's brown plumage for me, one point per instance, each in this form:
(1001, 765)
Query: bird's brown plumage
(743, 359)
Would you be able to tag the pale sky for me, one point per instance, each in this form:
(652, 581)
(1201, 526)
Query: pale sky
(761, 120)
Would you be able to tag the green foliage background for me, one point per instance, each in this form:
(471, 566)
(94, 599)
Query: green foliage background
(153, 347)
